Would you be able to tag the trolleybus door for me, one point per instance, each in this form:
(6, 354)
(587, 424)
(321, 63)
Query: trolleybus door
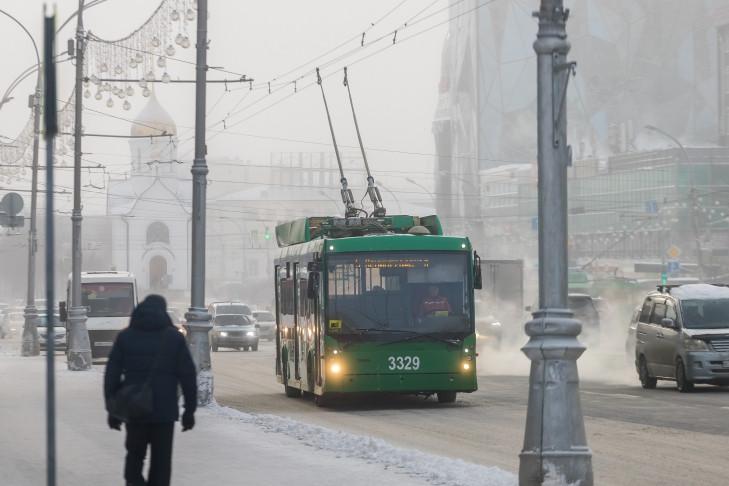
(277, 310)
(297, 337)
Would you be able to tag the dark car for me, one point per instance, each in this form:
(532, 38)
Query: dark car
(59, 331)
(267, 323)
(234, 331)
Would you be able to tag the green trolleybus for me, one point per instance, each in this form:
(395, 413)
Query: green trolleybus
(350, 312)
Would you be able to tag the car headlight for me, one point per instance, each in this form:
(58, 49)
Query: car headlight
(695, 345)
(223, 333)
(496, 324)
(250, 333)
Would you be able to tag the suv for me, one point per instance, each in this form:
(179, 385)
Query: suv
(682, 335)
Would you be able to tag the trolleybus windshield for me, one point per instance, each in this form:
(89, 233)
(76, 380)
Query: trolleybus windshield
(387, 296)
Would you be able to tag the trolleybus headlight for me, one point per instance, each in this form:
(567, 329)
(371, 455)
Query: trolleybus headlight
(466, 366)
(335, 368)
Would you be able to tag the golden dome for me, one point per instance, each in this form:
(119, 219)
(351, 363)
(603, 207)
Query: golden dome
(153, 120)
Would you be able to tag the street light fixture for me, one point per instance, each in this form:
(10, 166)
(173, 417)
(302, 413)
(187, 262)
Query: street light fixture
(423, 188)
(694, 202)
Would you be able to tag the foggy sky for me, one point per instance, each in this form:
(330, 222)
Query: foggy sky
(394, 86)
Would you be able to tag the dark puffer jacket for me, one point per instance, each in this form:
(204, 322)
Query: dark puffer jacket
(134, 354)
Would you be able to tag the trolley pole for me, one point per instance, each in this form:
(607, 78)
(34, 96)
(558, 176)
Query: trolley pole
(198, 319)
(79, 347)
(555, 448)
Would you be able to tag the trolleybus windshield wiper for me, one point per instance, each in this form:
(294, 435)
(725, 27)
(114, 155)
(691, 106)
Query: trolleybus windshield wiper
(430, 335)
(365, 330)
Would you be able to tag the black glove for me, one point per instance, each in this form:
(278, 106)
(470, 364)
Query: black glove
(114, 423)
(188, 421)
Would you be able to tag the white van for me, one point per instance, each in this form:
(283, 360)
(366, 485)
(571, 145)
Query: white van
(109, 298)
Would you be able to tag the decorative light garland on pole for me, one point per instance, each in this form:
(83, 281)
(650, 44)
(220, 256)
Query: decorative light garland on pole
(111, 64)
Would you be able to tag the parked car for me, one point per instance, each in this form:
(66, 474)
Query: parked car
(682, 335)
(234, 331)
(59, 331)
(267, 323)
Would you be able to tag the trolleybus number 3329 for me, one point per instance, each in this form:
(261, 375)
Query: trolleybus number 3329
(404, 362)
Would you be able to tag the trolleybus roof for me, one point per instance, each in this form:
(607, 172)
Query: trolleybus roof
(307, 229)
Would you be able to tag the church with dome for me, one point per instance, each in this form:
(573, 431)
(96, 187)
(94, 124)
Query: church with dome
(150, 208)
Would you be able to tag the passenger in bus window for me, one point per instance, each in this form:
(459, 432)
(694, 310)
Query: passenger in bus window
(433, 304)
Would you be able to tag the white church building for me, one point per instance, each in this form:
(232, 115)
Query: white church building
(150, 209)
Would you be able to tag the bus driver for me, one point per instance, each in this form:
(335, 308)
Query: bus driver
(433, 304)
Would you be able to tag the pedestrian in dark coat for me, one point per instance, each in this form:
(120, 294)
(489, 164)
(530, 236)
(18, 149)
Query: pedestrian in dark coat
(151, 337)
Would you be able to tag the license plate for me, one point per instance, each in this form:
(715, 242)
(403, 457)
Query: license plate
(107, 343)
(726, 363)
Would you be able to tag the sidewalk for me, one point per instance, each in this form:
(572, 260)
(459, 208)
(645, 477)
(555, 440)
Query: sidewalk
(226, 447)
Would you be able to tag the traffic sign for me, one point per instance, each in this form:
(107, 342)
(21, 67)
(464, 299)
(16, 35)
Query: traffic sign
(673, 267)
(651, 207)
(11, 203)
(674, 251)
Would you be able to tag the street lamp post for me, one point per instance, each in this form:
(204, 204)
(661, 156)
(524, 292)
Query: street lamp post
(79, 347)
(411, 181)
(30, 345)
(471, 209)
(694, 202)
(198, 319)
(555, 446)
(336, 204)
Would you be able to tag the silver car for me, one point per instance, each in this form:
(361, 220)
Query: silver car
(682, 335)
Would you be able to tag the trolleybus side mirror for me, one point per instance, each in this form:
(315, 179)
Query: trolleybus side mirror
(312, 286)
(62, 314)
(477, 280)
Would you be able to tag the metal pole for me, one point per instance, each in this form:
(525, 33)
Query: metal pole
(51, 129)
(30, 345)
(79, 348)
(198, 319)
(555, 448)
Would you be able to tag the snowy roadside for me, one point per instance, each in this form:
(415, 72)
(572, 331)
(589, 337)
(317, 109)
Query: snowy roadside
(225, 446)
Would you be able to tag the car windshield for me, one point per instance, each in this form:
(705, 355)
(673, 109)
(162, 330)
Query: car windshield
(264, 316)
(108, 299)
(42, 321)
(230, 320)
(233, 309)
(705, 314)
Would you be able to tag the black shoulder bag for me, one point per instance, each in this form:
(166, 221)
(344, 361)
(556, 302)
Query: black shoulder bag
(135, 401)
